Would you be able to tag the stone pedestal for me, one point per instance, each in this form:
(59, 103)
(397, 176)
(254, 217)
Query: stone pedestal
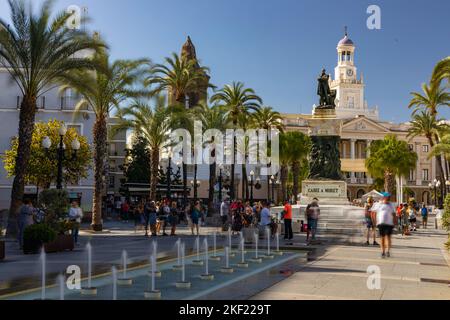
(327, 191)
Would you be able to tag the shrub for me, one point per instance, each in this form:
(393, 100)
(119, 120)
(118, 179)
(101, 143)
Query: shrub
(40, 233)
(55, 203)
(446, 217)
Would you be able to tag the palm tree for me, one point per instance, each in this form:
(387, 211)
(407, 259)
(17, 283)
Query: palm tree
(37, 51)
(266, 118)
(424, 124)
(214, 118)
(299, 149)
(179, 76)
(441, 71)
(103, 92)
(285, 159)
(239, 102)
(434, 96)
(154, 125)
(390, 158)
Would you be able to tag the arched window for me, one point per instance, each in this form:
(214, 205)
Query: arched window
(360, 193)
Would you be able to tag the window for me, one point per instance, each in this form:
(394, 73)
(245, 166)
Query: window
(76, 127)
(411, 147)
(351, 102)
(425, 148)
(425, 175)
(112, 181)
(412, 175)
(112, 149)
(112, 166)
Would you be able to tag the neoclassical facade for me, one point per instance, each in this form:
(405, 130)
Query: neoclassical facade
(361, 125)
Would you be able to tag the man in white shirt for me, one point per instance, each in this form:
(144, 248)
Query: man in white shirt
(75, 216)
(224, 211)
(385, 216)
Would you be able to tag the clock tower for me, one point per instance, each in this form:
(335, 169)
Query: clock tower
(350, 100)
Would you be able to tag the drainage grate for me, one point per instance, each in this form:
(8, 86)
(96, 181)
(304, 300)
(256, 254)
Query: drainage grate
(435, 281)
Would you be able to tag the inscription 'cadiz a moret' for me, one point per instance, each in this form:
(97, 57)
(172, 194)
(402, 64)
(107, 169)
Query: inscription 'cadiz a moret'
(323, 190)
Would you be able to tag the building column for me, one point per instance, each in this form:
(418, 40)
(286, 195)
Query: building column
(353, 157)
(369, 178)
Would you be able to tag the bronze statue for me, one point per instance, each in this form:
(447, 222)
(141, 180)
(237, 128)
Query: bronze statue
(325, 162)
(327, 96)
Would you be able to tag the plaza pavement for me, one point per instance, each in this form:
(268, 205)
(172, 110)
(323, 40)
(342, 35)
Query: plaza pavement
(418, 269)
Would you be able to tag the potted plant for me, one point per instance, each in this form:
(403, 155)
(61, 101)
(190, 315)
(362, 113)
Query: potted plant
(35, 236)
(55, 203)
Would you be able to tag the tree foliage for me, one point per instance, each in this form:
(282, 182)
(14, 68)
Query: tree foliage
(42, 169)
(390, 158)
(137, 164)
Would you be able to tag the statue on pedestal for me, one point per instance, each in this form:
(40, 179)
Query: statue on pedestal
(327, 96)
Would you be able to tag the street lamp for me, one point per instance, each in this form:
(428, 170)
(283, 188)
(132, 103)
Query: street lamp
(169, 176)
(47, 144)
(220, 183)
(435, 186)
(252, 175)
(196, 185)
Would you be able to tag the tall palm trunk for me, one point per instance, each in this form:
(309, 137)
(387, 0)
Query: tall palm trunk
(26, 127)
(212, 183)
(154, 172)
(195, 182)
(245, 193)
(296, 178)
(185, 195)
(284, 175)
(389, 181)
(440, 167)
(100, 133)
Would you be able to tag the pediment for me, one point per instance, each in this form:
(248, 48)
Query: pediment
(363, 124)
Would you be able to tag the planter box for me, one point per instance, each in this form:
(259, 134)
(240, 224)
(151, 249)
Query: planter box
(61, 243)
(2, 250)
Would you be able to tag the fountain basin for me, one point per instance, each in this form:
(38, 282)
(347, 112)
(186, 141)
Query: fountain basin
(278, 253)
(215, 258)
(88, 291)
(207, 277)
(243, 265)
(152, 295)
(177, 268)
(271, 256)
(232, 254)
(124, 282)
(197, 262)
(227, 270)
(256, 260)
(183, 285)
(158, 274)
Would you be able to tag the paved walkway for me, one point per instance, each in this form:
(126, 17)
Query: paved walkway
(418, 269)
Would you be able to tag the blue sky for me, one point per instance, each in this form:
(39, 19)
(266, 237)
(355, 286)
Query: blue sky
(279, 47)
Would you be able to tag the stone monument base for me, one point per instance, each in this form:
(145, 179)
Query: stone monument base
(329, 192)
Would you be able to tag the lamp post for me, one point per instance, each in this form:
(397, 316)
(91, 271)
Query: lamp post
(271, 185)
(220, 183)
(252, 175)
(195, 184)
(169, 176)
(435, 186)
(447, 184)
(47, 143)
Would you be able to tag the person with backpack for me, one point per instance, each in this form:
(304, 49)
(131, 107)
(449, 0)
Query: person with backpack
(164, 213)
(386, 216)
(75, 216)
(370, 222)
(424, 213)
(412, 217)
(312, 215)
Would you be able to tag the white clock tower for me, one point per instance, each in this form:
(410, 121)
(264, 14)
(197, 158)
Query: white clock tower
(350, 100)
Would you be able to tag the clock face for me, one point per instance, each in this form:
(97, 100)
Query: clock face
(350, 72)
